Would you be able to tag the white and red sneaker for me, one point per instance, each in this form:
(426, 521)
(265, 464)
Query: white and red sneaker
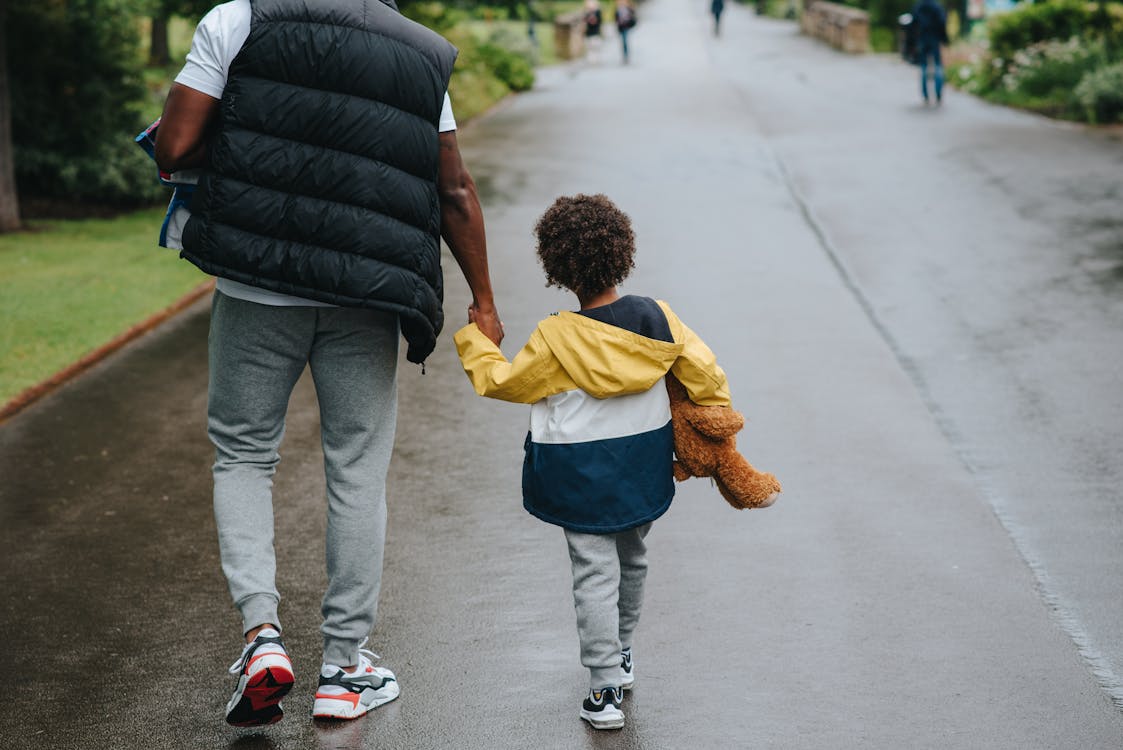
(349, 695)
(264, 678)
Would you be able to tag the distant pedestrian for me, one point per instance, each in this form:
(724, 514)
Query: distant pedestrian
(599, 452)
(593, 18)
(716, 7)
(930, 29)
(330, 173)
(625, 22)
(593, 23)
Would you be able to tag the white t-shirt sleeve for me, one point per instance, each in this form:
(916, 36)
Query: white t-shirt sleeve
(218, 38)
(448, 122)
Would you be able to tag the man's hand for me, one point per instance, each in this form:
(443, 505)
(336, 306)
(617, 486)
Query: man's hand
(488, 322)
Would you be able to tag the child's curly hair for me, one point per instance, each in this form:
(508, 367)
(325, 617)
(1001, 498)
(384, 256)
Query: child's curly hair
(585, 244)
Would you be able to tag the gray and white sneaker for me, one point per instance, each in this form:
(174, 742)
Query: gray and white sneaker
(627, 676)
(349, 695)
(602, 708)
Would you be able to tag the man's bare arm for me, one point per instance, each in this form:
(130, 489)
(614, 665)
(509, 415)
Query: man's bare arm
(181, 138)
(462, 227)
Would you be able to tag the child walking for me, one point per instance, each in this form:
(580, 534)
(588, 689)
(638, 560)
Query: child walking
(600, 446)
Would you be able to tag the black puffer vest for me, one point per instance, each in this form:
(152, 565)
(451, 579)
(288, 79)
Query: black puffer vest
(321, 176)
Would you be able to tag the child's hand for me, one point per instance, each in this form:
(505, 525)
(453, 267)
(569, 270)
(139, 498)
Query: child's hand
(471, 314)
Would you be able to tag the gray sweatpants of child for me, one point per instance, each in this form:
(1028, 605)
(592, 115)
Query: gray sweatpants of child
(609, 571)
(257, 353)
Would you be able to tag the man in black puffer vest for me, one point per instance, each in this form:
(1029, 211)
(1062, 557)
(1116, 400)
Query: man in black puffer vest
(330, 172)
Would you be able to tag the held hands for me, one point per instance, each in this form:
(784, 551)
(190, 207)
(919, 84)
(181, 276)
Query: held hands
(487, 319)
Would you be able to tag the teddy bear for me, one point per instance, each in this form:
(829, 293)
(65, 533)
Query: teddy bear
(706, 446)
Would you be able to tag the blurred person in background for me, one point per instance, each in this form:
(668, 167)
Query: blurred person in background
(593, 21)
(625, 22)
(930, 28)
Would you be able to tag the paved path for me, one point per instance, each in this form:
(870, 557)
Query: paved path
(869, 298)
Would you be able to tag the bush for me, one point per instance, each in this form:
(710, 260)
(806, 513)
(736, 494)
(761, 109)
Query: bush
(1052, 68)
(113, 174)
(478, 60)
(434, 15)
(515, 71)
(1100, 93)
(883, 13)
(1029, 24)
(76, 89)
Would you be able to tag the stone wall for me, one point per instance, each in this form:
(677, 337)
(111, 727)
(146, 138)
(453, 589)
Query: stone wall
(843, 27)
(569, 35)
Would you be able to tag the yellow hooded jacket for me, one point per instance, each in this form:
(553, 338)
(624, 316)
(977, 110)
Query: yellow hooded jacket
(599, 447)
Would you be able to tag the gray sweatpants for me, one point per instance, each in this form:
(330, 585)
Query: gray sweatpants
(608, 575)
(257, 353)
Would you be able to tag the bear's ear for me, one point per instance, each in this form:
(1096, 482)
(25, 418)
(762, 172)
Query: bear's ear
(715, 422)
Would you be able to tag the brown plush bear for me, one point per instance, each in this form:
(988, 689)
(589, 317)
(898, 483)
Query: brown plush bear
(706, 446)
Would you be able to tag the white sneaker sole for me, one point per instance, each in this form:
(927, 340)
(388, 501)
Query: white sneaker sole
(349, 706)
(615, 721)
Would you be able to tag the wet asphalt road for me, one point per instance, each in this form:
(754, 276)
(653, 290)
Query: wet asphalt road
(919, 312)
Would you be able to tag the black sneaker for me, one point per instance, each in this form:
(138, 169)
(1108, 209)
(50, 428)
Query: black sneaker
(264, 678)
(602, 708)
(627, 677)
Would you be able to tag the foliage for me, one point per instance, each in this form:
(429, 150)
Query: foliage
(513, 70)
(1052, 68)
(786, 9)
(883, 39)
(71, 286)
(1100, 94)
(883, 13)
(1039, 22)
(114, 173)
(486, 70)
(434, 14)
(193, 9)
(1041, 55)
(70, 110)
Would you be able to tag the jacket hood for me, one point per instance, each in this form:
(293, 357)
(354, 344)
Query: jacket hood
(604, 360)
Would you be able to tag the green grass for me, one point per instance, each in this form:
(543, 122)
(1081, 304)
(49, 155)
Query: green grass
(67, 287)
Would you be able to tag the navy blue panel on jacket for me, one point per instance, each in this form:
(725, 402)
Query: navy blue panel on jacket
(600, 486)
(600, 466)
(321, 179)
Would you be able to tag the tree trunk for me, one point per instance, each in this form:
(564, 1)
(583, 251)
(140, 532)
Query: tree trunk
(158, 55)
(9, 200)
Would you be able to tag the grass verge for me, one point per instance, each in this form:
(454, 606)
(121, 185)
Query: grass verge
(70, 286)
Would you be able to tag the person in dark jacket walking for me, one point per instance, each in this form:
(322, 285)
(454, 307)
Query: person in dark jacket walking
(593, 22)
(625, 16)
(716, 9)
(930, 21)
(330, 172)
